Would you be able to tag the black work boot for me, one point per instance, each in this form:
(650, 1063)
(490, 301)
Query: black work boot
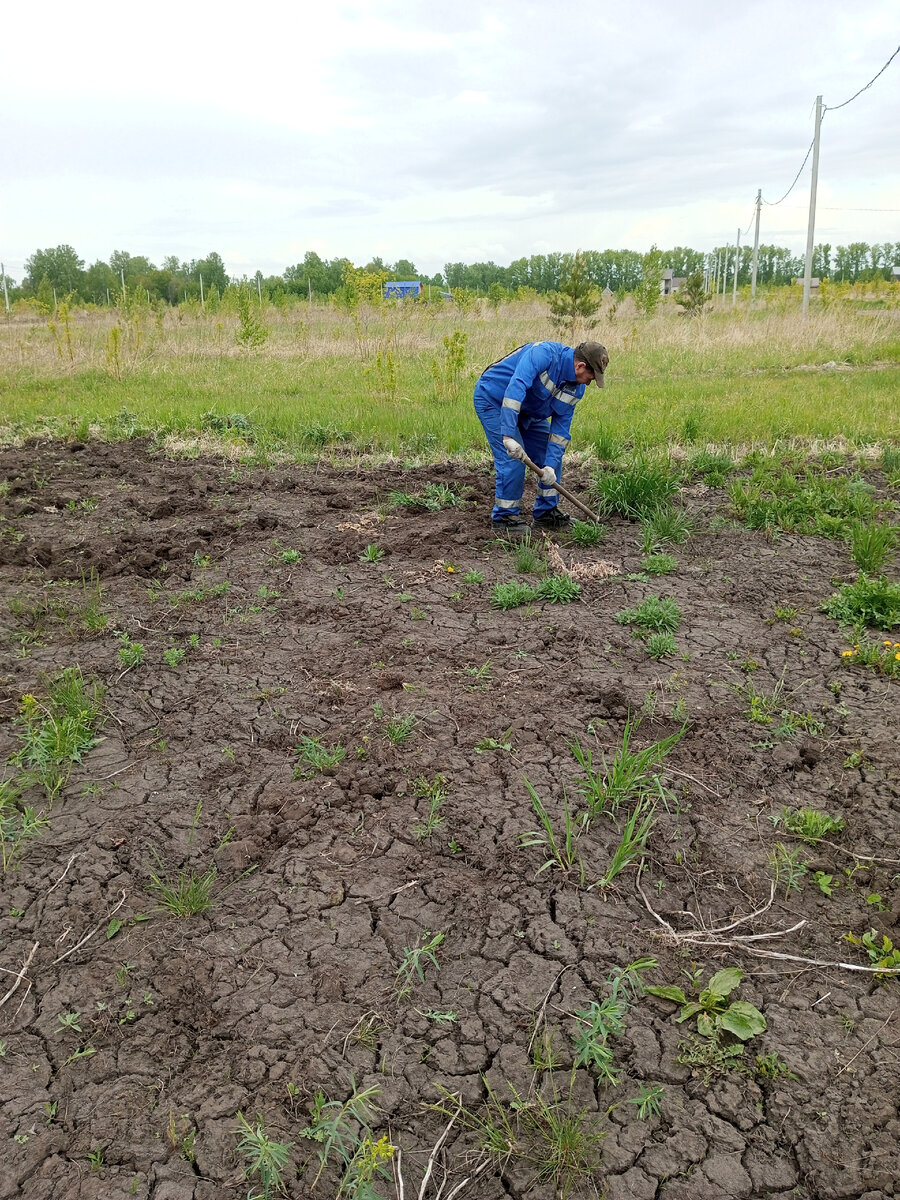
(510, 526)
(553, 519)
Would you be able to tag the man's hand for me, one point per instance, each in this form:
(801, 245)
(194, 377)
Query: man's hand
(548, 476)
(514, 450)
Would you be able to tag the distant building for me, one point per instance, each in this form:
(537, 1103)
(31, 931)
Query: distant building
(895, 272)
(408, 287)
(813, 283)
(670, 282)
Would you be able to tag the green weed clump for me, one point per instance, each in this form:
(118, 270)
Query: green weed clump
(624, 776)
(809, 504)
(265, 1159)
(586, 533)
(187, 896)
(655, 613)
(511, 595)
(713, 469)
(811, 824)
(659, 564)
(53, 734)
(866, 603)
(543, 1132)
(633, 490)
(558, 589)
(317, 756)
(883, 657)
(666, 526)
(661, 645)
(872, 545)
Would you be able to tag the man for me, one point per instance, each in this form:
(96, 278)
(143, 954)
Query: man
(525, 403)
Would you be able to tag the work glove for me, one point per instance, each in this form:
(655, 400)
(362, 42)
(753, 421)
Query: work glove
(513, 449)
(548, 476)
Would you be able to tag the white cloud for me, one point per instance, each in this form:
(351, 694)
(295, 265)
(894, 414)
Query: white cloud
(439, 132)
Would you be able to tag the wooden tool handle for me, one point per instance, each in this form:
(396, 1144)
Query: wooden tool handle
(562, 491)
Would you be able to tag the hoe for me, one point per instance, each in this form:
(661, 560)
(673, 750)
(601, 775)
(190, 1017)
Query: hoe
(563, 492)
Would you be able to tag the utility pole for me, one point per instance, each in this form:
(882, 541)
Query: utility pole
(5, 290)
(258, 289)
(309, 282)
(124, 293)
(737, 263)
(755, 247)
(725, 271)
(202, 301)
(811, 231)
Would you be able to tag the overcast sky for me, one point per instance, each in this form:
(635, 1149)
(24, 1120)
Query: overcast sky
(470, 130)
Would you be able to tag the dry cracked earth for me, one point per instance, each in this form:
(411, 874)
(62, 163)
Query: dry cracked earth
(325, 882)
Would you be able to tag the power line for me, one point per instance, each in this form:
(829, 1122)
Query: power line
(835, 107)
(773, 203)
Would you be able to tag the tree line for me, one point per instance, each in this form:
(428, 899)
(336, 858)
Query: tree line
(58, 272)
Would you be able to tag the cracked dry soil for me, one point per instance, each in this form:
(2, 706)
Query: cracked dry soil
(286, 985)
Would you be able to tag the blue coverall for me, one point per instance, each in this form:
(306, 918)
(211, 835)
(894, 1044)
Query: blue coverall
(529, 395)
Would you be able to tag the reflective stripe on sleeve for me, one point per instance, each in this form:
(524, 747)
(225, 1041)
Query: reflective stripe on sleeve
(515, 405)
(556, 439)
(556, 392)
(508, 503)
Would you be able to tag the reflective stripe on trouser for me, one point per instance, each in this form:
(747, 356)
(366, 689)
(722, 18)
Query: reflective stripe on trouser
(510, 486)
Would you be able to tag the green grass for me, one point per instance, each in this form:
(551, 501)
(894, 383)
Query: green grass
(731, 381)
(866, 604)
(316, 756)
(187, 896)
(656, 613)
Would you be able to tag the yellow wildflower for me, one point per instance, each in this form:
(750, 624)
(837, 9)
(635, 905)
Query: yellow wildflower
(847, 654)
(451, 570)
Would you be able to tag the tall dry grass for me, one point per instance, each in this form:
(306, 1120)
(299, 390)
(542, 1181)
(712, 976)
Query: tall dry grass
(381, 377)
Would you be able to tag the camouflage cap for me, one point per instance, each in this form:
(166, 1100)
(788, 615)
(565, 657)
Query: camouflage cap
(594, 356)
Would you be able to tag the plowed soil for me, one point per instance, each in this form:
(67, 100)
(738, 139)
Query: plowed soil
(326, 879)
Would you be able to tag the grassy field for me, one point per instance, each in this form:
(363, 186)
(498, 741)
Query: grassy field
(386, 380)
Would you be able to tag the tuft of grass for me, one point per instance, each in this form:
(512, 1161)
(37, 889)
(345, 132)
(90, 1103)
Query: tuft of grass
(632, 841)
(586, 533)
(561, 852)
(661, 615)
(659, 564)
(872, 545)
(527, 557)
(187, 896)
(315, 754)
(713, 469)
(511, 595)
(627, 775)
(541, 1132)
(398, 729)
(635, 489)
(659, 645)
(811, 824)
(558, 589)
(371, 554)
(664, 526)
(866, 603)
